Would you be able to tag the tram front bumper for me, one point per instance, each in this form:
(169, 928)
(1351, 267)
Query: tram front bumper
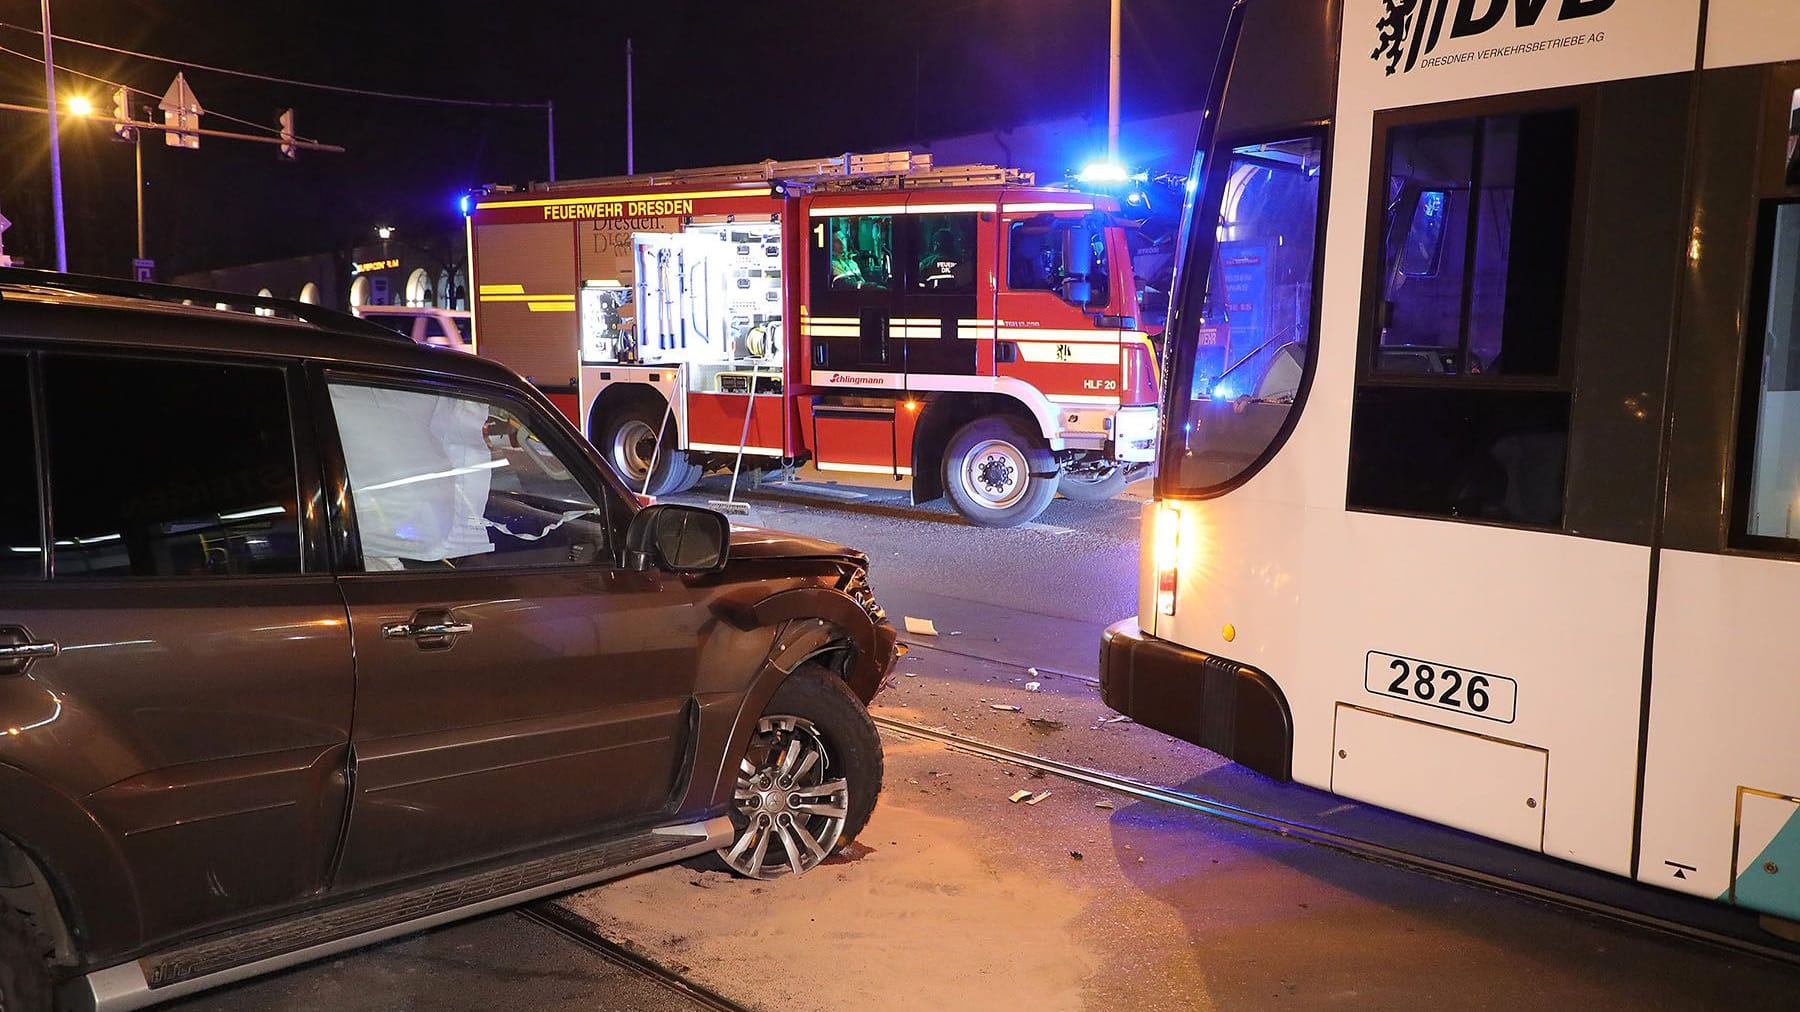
(1218, 704)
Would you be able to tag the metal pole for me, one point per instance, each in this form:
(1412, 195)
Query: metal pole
(630, 131)
(1112, 91)
(550, 120)
(56, 196)
(137, 145)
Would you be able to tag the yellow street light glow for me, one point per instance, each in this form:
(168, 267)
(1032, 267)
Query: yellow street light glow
(81, 105)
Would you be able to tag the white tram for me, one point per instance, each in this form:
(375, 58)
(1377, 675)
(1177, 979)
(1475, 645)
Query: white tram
(1479, 495)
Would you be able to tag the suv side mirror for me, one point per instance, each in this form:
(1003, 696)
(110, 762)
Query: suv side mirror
(680, 539)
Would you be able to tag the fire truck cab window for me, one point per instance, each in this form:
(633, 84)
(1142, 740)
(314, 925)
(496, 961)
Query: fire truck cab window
(946, 245)
(862, 252)
(1062, 255)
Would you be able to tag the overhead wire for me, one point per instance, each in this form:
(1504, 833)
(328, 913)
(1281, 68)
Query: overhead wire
(289, 81)
(64, 68)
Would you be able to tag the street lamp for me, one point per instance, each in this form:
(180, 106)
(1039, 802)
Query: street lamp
(384, 232)
(80, 105)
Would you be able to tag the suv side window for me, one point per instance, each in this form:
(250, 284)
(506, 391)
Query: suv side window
(166, 468)
(21, 533)
(454, 481)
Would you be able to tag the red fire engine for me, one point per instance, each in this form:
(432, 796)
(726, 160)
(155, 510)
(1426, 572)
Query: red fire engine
(960, 327)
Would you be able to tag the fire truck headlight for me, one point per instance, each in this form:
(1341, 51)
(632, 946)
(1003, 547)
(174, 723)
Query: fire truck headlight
(1167, 556)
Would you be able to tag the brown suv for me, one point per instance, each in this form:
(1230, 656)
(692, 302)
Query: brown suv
(310, 636)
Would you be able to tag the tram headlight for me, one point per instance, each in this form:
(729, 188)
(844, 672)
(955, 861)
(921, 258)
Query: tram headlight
(1167, 556)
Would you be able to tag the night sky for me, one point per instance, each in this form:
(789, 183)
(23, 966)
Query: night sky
(717, 83)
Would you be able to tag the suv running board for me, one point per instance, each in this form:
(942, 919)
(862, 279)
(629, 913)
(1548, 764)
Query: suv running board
(255, 951)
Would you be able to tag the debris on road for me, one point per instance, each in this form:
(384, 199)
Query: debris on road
(1115, 718)
(921, 626)
(1035, 798)
(1033, 686)
(1103, 804)
(1007, 707)
(1018, 796)
(1045, 724)
(1076, 854)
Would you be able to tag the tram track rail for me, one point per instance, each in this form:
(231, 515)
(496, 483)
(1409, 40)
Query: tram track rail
(1364, 849)
(913, 644)
(584, 933)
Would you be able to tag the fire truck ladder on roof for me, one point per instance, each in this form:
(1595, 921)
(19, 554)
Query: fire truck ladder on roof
(887, 170)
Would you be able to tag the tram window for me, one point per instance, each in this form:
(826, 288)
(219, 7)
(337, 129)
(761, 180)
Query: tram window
(1771, 509)
(946, 249)
(1471, 271)
(1475, 255)
(1467, 454)
(1251, 340)
(862, 251)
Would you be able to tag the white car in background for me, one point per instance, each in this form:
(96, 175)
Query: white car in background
(447, 328)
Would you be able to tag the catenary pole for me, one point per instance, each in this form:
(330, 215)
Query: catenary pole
(630, 111)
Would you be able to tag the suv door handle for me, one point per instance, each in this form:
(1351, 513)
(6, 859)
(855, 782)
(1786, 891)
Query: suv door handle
(410, 630)
(28, 650)
(430, 628)
(18, 650)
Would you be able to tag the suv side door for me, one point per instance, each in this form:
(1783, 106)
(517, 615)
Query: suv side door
(180, 664)
(514, 687)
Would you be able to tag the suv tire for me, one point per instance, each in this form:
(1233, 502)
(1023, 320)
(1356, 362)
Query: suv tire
(998, 473)
(24, 974)
(814, 772)
(626, 437)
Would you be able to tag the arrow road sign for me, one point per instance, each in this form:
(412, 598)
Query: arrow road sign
(181, 114)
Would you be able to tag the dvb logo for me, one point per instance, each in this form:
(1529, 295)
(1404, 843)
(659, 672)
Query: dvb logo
(1410, 29)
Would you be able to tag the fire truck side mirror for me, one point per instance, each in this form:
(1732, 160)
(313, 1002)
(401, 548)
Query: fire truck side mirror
(1077, 291)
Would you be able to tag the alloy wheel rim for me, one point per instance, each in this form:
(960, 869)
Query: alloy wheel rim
(788, 811)
(633, 444)
(995, 474)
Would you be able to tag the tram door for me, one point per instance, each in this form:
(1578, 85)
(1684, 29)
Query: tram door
(1721, 783)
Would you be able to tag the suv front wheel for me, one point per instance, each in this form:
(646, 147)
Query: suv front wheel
(808, 780)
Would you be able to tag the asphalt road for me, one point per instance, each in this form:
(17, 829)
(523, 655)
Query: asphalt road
(1038, 594)
(956, 897)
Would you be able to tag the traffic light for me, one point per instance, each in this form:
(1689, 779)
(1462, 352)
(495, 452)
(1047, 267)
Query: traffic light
(287, 148)
(121, 114)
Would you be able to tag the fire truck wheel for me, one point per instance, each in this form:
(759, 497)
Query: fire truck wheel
(998, 473)
(627, 436)
(1091, 486)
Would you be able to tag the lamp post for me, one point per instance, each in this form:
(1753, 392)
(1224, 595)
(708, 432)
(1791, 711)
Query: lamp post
(1112, 91)
(56, 194)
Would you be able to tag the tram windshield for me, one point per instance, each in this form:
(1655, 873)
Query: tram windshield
(1246, 336)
